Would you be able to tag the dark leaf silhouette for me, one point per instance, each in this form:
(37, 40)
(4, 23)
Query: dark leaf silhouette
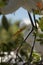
(5, 23)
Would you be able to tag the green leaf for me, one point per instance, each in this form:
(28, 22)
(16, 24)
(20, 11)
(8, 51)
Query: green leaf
(36, 57)
(2, 3)
(40, 35)
(41, 23)
(5, 23)
(41, 42)
(36, 11)
(39, 39)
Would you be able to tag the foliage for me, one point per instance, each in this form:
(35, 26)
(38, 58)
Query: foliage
(3, 3)
(5, 23)
(41, 23)
(40, 33)
(36, 57)
(10, 39)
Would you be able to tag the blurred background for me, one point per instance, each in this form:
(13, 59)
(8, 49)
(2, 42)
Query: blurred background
(15, 24)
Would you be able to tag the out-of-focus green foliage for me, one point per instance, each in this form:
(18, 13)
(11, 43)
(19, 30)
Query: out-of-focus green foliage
(40, 34)
(5, 23)
(36, 11)
(41, 23)
(3, 3)
(4, 63)
(36, 57)
(25, 50)
(7, 37)
(9, 41)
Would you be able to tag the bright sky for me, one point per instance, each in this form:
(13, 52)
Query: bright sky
(20, 14)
